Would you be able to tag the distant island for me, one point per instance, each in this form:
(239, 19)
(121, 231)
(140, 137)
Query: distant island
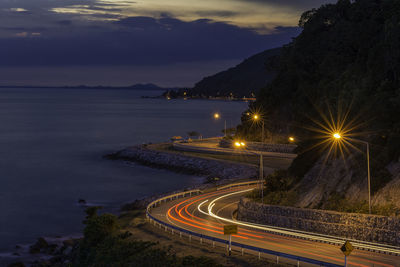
(139, 86)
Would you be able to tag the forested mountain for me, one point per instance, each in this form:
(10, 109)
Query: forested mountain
(243, 80)
(246, 79)
(344, 68)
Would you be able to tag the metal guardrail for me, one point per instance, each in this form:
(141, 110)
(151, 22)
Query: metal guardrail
(243, 246)
(225, 242)
(171, 197)
(239, 184)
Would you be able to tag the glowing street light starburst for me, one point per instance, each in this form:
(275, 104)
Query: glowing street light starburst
(335, 131)
(337, 135)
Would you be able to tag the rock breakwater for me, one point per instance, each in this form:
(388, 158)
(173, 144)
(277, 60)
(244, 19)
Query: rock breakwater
(210, 168)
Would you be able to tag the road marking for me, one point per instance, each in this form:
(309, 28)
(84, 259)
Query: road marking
(311, 236)
(212, 204)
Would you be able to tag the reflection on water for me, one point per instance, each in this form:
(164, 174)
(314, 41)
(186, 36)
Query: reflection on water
(51, 147)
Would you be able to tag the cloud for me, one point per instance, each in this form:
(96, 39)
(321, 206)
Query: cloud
(302, 4)
(217, 13)
(139, 41)
(261, 15)
(18, 9)
(21, 34)
(105, 33)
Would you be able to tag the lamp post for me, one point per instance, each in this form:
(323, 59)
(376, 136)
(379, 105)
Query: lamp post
(217, 116)
(256, 117)
(261, 168)
(338, 136)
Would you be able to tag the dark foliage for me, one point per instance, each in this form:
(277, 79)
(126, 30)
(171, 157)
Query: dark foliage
(246, 79)
(104, 244)
(346, 59)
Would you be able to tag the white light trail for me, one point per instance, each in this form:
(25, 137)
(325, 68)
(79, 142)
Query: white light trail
(295, 233)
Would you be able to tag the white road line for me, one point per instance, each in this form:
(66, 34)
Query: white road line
(224, 207)
(299, 234)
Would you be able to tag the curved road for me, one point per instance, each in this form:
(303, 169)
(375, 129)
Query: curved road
(207, 213)
(212, 147)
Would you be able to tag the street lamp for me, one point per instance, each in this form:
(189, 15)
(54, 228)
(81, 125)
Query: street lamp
(337, 136)
(291, 139)
(217, 116)
(257, 117)
(241, 144)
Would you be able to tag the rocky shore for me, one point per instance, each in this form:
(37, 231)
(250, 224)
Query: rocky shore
(46, 251)
(56, 251)
(211, 168)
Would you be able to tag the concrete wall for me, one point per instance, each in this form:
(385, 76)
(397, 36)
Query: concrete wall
(380, 229)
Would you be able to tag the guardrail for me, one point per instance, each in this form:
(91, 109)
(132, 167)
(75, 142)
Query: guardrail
(171, 197)
(239, 184)
(216, 240)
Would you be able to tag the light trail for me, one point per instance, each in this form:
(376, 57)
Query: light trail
(182, 213)
(175, 207)
(239, 236)
(323, 238)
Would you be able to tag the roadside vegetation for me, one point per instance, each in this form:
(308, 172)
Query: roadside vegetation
(107, 242)
(129, 240)
(343, 70)
(280, 189)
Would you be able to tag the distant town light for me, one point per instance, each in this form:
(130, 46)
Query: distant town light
(216, 116)
(291, 139)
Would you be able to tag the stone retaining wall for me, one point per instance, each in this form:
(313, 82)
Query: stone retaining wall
(372, 228)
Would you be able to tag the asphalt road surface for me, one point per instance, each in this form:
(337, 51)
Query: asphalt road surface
(207, 213)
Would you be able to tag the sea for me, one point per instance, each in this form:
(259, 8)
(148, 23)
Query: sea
(52, 143)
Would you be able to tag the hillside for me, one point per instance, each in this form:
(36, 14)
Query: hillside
(246, 79)
(341, 73)
(243, 80)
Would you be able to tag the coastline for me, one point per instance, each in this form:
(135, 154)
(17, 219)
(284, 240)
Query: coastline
(59, 247)
(225, 171)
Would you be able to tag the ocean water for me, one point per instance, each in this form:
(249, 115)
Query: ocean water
(51, 147)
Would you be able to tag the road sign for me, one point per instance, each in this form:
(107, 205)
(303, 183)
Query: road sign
(347, 248)
(230, 229)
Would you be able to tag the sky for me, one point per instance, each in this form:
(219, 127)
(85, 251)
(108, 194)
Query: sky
(124, 42)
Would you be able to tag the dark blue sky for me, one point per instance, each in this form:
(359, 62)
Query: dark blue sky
(122, 42)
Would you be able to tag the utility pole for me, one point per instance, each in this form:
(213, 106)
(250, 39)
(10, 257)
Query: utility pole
(262, 176)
